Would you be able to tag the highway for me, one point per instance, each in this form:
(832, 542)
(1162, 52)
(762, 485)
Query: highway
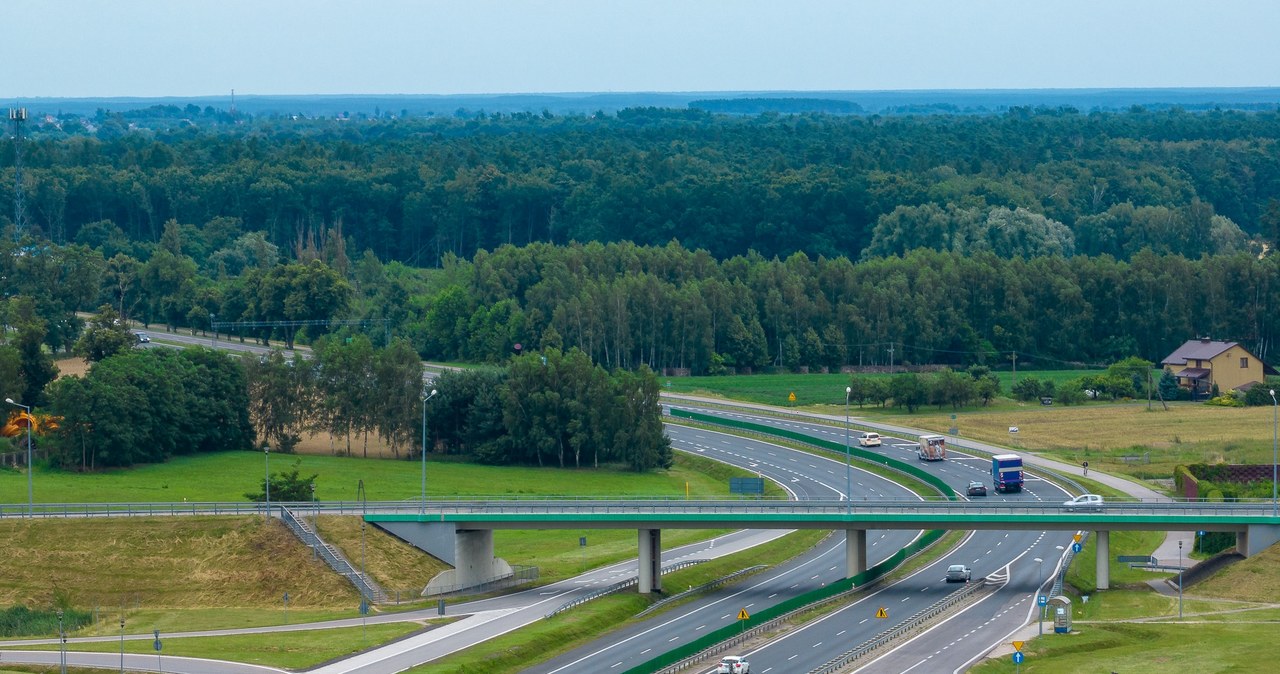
(962, 638)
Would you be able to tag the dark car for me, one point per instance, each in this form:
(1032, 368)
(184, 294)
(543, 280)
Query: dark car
(142, 337)
(977, 489)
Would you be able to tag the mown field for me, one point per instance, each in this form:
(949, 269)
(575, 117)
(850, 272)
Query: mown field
(815, 389)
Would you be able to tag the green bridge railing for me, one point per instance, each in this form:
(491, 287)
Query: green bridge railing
(776, 611)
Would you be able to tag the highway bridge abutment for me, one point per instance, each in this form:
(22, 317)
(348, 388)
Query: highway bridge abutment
(469, 551)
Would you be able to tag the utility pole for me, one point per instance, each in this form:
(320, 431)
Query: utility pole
(890, 357)
(1015, 367)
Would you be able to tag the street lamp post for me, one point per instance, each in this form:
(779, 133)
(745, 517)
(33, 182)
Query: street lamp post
(266, 480)
(1179, 580)
(1275, 460)
(424, 449)
(848, 479)
(121, 644)
(62, 649)
(1040, 622)
(31, 508)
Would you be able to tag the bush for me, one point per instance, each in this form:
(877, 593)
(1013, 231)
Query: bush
(1227, 399)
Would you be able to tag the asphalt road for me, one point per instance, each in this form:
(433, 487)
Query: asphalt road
(961, 639)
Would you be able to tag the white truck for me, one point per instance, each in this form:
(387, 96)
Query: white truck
(932, 448)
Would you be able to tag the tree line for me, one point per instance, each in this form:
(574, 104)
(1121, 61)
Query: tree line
(547, 409)
(1024, 182)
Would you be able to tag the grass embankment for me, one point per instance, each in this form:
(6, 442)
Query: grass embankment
(185, 573)
(292, 650)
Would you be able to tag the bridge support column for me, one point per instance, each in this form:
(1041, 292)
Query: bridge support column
(1103, 566)
(855, 552)
(650, 544)
(1256, 538)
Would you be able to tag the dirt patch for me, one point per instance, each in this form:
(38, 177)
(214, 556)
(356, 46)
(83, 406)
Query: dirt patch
(75, 367)
(324, 444)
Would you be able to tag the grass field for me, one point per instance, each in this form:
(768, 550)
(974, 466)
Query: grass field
(227, 476)
(296, 650)
(814, 389)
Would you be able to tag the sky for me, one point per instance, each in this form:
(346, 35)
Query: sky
(91, 48)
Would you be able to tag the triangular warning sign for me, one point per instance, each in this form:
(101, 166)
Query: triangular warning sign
(742, 615)
(882, 613)
(1017, 645)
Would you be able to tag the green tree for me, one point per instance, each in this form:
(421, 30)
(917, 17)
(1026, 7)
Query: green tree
(104, 335)
(287, 486)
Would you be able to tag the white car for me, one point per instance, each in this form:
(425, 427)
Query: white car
(733, 664)
(1084, 502)
(869, 440)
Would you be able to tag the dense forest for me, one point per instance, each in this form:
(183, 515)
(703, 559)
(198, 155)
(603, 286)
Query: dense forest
(709, 243)
(1028, 182)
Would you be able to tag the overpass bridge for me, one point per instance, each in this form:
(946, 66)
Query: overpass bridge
(463, 531)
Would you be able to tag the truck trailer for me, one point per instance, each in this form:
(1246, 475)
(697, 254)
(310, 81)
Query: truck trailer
(932, 448)
(1006, 472)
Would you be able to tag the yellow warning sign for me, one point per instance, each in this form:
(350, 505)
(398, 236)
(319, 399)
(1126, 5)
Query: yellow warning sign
(882, 613)
(1017, 646)
(792, 397)
(742, 615)
(1076, 538)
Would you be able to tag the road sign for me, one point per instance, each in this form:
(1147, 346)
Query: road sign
(792, 397)
(1018, 657)
(1017, 645)
(1042, 600)
(743, 615)
(1076, 548)
(157, 644)
(882, 613)
(1076, 538)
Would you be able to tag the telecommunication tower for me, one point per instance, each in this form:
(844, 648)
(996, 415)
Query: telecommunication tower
(17, 116)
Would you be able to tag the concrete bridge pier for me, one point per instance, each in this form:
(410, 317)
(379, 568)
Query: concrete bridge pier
(1256, 538)
(1103, 564)
(855, 552)
(650, 544)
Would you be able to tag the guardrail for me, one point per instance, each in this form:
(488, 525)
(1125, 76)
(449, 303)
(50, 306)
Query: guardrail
(650, 506)
(710, 585)
(887, 637)
(620, 585)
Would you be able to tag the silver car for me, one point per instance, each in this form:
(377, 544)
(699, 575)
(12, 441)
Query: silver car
(959, 573)
(1084, 502)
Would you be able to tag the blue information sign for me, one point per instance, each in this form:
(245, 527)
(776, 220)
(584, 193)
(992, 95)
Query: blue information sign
(157, 645)
(1042, 600)
(1076, 548)
(1018, 657)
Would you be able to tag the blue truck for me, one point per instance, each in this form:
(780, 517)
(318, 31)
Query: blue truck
(1006, 472)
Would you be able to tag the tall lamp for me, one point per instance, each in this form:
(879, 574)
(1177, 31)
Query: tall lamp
(31, 501)
(848, 479)
(424, 448)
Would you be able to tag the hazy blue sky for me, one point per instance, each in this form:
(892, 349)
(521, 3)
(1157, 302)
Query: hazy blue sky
(208, 47)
